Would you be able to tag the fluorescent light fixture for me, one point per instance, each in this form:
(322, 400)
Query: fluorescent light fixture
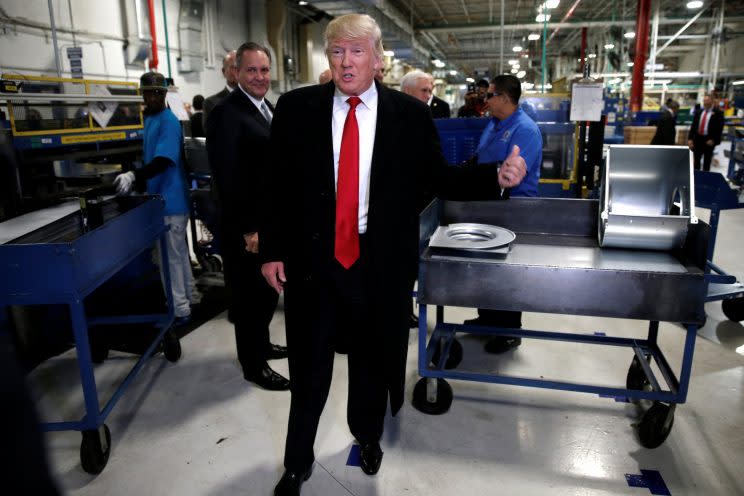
(521, 74)
(464, 87)
(542, 18)
(533, 37)
(630, 64)
(513, 61)
(453, 73)
(630, 34)
(516, 48)
(528, 86)
(470, 80)
(388, 53)
(515, 66)
(609, 46)
(737, 83)
(551, 4)
(436, 61)
(592, 55)
(696, 4)
(302, 2)
(514, 71)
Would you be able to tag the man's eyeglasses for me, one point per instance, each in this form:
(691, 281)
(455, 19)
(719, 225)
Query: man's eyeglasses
(490, 95)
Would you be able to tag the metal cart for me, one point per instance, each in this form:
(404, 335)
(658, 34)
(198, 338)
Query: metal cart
(63, 263)
(556, 266)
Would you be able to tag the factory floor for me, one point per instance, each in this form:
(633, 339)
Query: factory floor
(195, 427)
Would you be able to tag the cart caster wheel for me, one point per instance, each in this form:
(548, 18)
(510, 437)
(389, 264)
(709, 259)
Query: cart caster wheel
(453, 358)
(94, 452)
(733, 308)
(171, 346)
(443, 397)
(636, 378)
(211, 264)
(655, 426)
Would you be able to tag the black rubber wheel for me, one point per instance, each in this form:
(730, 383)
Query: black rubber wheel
(733, 309)
(453, 358)
(171, 346)
(655, 426)
(215, 263)
(94, 456)
(440, 406)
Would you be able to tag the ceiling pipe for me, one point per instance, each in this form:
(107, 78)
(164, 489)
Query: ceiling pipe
(153, 62)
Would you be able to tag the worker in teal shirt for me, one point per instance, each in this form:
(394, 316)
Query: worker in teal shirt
(164, 175)
(510, 126)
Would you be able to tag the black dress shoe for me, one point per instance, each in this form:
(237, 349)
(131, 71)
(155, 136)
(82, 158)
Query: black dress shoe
(291, 482)
(412, 321)
(501, 344)
(267, 378)
(276, 351)
(370, 458)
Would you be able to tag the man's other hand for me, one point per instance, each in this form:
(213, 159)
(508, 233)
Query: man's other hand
(513, 170)
(273, 272)
(124, 182)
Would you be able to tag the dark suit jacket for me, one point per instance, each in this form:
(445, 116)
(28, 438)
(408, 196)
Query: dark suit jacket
(715, 126)
(666, 133)
(299, 229)
(211, 102)
(439, 108)
(237, 146)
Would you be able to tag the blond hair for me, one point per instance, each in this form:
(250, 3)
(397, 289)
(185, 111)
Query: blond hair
(354, 27)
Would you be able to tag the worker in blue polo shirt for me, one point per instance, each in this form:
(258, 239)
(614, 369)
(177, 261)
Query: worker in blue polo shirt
(164, 175)
(510, 125)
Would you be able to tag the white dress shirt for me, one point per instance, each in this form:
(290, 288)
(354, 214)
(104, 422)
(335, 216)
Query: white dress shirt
(256, 102)
(366, 114)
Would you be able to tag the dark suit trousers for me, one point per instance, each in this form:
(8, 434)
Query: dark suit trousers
(314, 320)
(251, 304)
(703, 150)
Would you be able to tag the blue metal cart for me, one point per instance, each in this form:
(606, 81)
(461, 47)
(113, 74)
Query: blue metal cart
(63, 263)
(556, 266)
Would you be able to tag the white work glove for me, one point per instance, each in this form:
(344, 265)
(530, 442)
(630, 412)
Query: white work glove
(124, 182)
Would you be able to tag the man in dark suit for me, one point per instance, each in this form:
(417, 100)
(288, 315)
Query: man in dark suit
(666, 132)
(705, 133)
(420, 84)
(231, 80)
(237, 145)
(341, 240)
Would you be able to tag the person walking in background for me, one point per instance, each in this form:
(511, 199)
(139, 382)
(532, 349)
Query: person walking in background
(705, 133)
(666, 131)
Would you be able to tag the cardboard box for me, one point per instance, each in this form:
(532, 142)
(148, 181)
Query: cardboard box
(639, 135)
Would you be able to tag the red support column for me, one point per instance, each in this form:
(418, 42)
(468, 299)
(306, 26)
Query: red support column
(643, 14)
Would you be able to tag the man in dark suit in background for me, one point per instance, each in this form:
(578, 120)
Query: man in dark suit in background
(352, 159)
(705, 133)
(666, 132)
(237, 145)
(231, 80)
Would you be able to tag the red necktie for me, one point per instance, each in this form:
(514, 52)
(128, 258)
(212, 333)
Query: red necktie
(702, 123)
(347, 191)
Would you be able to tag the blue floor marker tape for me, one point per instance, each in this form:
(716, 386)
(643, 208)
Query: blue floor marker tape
(651, 479)
(353, 460)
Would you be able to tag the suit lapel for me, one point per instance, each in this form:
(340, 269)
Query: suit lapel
(322, 135)
(249, 108)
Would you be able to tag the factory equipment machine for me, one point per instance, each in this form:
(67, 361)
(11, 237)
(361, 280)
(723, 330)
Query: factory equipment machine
(636, 253)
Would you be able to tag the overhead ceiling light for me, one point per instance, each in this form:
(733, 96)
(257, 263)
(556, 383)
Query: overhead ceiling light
(609, 46)
(301, 2)
(388, 53)
(542, 18)
(470, 80)
(516, 48)
(533, 37)
(694, 4)
(630, 64)
(629, 34)
(521, 74)
(515, 66)
(551, 4)
(453, 73)
(528, 86)
(513, 61)
(592, 55)
(737, 83)
(514, 71)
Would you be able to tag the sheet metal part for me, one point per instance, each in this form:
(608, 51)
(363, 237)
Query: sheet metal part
(646, 197)
(556, 265)
(471, 236)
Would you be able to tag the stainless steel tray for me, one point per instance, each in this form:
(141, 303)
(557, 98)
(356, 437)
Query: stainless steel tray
(471, 236)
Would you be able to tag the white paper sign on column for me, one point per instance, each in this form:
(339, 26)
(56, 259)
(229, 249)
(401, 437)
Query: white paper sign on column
(586, 102)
